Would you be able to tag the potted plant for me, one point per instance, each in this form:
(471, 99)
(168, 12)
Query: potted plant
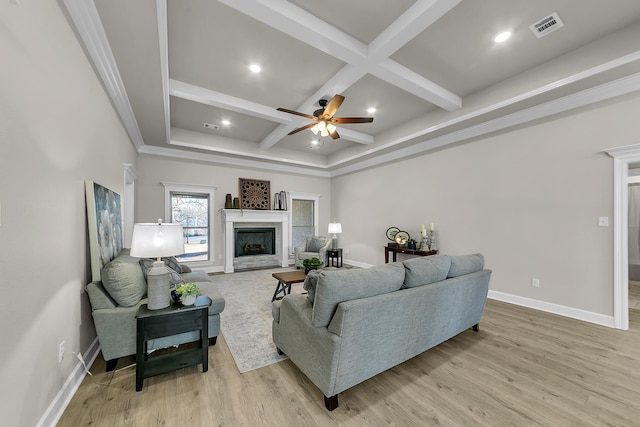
(311, 264)
(188, 293)
(411, 244)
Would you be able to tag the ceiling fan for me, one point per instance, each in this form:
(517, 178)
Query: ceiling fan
(323, 120)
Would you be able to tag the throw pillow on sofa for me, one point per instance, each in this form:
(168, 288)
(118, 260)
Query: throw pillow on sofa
(123, 279)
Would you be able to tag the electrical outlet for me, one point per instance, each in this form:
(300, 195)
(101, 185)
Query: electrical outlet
(61, 352)
(535, 282)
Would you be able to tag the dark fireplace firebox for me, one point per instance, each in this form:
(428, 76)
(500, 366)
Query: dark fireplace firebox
(254, 241)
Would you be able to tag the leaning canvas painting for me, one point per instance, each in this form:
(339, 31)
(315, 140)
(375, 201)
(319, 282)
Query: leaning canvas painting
(104, 218)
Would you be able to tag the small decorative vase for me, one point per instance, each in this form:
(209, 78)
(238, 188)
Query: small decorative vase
(188, 299)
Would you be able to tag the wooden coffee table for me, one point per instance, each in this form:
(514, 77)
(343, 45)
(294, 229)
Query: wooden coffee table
(285, 280)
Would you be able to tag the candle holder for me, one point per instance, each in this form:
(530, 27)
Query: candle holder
(424, 243)
(432, 240)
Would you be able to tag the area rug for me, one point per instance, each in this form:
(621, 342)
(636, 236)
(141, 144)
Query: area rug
(246, 320)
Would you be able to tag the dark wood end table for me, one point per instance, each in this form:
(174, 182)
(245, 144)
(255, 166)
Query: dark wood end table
(334, 254)
(172, 320)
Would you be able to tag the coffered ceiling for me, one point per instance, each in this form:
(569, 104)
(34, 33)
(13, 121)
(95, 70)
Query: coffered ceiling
(429, 67)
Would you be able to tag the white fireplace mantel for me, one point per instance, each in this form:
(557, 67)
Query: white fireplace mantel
(234, 216)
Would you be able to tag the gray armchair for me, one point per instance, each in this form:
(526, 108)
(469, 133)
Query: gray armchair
(116, 299)
(314, 246)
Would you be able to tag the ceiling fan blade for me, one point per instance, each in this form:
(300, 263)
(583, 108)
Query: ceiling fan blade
(302, 128)
(346, 120)
(334, 134)
(332, 106)
(308, 116)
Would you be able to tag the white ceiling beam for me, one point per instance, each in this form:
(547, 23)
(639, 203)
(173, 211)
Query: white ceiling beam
(217, 99)
(301, 25)
(412, 82)
(412, 22)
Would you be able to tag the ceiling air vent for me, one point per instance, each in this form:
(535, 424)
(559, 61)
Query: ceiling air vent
(546, 25)
(211, 126)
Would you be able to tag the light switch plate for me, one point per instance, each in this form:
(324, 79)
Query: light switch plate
(603, 221)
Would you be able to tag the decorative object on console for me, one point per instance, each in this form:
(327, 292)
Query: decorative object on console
(411, 244)
(402, 237)
(334, 228)
(105, 226)
(157, 240)
(280, 201)
(255, 194)
(188, 293)
(391, 233)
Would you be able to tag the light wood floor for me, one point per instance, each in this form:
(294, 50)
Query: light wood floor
(524, 368)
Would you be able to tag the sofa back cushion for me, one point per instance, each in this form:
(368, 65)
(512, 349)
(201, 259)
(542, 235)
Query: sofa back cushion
(123, 279)
(336, 286)
(465, 264)
(425, 270)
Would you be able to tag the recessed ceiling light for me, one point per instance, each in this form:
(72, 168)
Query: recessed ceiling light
(371, 110)
(226, 122)
(502, 37)
(255, 68)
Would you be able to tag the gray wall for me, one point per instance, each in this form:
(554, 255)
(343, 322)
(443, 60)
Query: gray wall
(528, 199)
(57, 129)
(153, 170)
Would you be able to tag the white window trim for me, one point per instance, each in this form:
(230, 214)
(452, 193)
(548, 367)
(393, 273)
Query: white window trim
(303, 196)
(178, 187)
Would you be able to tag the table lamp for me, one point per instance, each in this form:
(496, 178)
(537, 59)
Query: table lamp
(157, 240)
(334, 228)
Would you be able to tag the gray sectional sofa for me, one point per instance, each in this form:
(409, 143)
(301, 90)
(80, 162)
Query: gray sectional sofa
(116, 298)
(354, 324)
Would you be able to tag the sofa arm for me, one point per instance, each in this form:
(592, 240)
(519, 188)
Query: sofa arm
(315, 351)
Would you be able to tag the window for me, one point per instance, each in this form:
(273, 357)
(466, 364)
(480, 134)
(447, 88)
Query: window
(192, 211)
(191, 206)
(304, 217)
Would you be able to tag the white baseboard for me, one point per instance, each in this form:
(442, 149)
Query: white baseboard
(574, 313)
(59, 404)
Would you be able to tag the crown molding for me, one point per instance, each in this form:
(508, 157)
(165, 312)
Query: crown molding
(85, 18)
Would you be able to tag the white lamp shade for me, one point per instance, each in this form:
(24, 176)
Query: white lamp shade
(335, 228)
(153, 240)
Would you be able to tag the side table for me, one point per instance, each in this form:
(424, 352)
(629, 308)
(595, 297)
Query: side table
(334, 254)
(172, 320)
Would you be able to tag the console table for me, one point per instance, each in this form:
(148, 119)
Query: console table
(399, 250)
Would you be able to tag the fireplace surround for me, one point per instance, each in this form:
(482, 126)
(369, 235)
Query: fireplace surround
(241, 220)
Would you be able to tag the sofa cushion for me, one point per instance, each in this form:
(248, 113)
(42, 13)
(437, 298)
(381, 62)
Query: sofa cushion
(123, 279)
(465, 264)
(316, 243)
(424, 270)
(336, 286)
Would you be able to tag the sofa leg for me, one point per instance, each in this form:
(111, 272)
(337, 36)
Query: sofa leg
(476, 327)
(111, 364)
(331, 403)
(212, 340)
(280, 352)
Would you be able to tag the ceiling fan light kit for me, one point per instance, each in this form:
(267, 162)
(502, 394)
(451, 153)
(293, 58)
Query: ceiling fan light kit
(323, 120)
